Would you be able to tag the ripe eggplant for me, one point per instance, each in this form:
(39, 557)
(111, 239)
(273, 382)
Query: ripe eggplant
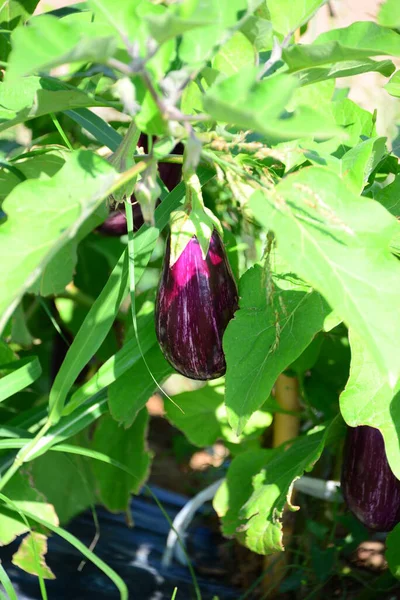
(196, 300)
(370, 489)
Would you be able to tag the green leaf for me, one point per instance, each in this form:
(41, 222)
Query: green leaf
(368, 399)
(63, 203)
(29, 97)
(392, 551)
(287, 16)
(219, 18)
(389, 197)
(355, 120)
(241, 100)
(101, 131)
(259, 483)
(127, 446)
(131, 390)
(25, 497)
(339, 243)
(364, 35)
(236, 54)
(206, 405)
(23, 373)
(346, 69)
(267, 334)
(7, 585)
(359, 162)
(389, 14)
(48, 42)
(247, 104)
(259, 32)
(51, 474)
(393, 86)
(42, 166)
(70, 425)
(31, 555)
(12, 14)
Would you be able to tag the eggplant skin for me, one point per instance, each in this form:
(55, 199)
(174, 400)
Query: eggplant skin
(370, 489)
(115, 225)
(196, 299)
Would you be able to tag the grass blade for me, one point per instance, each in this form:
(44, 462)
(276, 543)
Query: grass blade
(100, 130)
(22, 373)
(7, 585)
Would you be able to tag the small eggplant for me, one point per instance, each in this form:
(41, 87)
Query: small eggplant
(370, 489)
(115, 225)
(196, 300)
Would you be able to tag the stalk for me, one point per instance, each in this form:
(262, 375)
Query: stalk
(285, 428)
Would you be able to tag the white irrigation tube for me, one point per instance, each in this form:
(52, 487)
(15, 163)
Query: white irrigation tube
(319, 488)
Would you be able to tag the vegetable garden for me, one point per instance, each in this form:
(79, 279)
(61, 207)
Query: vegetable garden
(195, 213)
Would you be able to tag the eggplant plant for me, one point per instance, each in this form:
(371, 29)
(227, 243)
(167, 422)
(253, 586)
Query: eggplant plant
(247, 275)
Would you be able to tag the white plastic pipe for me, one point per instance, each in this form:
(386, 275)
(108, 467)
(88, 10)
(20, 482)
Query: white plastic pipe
(319, 488)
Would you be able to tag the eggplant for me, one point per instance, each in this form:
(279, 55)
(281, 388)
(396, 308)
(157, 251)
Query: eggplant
(115, 225)
(370, 489)
(196, 299)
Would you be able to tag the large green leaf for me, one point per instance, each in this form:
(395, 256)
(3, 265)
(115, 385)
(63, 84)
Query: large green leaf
(41, 166)
(368, 399)
(259, 483)
(242, 101)
(364, 35)
(339, 243)
(127, 446)
(30, 97)
(360, 40)
(131, 390)
(49, 42)
(62, 203)
(191, 410)
(267, 334)
(53, 473)
(238, 53)
(287, 16)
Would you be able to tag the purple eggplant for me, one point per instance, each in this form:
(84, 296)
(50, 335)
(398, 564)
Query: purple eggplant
(115, 224)
(196, 300)
(370, 489)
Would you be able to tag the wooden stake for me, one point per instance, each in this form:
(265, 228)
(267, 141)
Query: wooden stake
(285, 428)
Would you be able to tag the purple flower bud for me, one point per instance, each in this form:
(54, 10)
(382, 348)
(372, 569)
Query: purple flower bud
(370, 489)
(196, 300)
